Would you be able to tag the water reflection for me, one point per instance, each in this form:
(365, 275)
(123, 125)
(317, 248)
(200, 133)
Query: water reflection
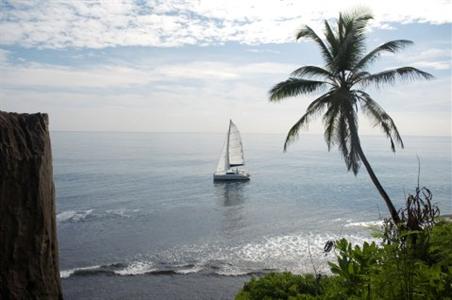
(231, 196)
(230, 193)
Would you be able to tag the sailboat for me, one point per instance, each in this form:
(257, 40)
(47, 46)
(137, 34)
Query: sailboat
(231, 158)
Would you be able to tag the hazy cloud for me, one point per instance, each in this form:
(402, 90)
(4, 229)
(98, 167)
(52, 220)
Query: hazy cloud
(436, 65)
(3, 56)
(117, 76)
(437, 59)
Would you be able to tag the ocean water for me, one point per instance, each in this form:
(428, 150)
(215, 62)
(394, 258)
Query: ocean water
(139, 216)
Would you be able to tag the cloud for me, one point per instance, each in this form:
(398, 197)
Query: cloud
(433, 58)
(120, 76)
(432, 53)
(256, 50)
(436, 65)
(35, 75)
(3, 56)
(99, 24)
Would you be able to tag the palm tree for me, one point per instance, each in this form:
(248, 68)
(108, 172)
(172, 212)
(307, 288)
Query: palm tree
(344, 78)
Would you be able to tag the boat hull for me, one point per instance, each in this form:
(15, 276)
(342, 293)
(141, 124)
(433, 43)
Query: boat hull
(231, 177)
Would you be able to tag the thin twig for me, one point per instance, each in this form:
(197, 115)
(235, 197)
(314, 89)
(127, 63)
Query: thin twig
(310, 257)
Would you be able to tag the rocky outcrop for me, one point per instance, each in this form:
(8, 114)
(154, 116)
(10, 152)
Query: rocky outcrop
(28, 240)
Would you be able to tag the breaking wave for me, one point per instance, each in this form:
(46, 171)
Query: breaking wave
(148, 268)
(367, 224)
(70, 272)
(75, 216)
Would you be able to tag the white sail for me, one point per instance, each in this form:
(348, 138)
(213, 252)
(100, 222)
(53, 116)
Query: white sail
(231, 156)
(235, 147)
(223, 163)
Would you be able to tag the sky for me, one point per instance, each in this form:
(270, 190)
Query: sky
(191, 65)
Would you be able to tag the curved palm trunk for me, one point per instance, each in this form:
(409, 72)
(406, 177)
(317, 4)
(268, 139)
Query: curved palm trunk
(384, 195)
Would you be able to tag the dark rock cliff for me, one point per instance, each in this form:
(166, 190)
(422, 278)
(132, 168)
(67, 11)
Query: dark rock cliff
(28, 240)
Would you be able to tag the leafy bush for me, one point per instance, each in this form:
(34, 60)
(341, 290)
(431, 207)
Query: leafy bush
(282, 286)
(355, 267)
(421, 270)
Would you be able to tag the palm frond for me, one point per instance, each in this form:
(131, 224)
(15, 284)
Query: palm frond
(391, 47)
(340, 28)
(352, 36)
(381, 119)
(389, 76)
(358, 16)
(355, 77)
(330, 121)
(362, 17)
(294, 87)
(312, 71)
(343, 138)
(315, 108)
(331, 39)
(308, 32)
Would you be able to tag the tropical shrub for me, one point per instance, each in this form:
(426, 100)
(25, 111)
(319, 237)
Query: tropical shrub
(355, 267)
(284, 286)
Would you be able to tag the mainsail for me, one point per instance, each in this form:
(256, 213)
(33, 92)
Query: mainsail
(235, 147)
(232, 154)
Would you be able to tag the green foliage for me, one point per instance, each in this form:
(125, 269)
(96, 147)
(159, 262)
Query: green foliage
(282, 286)
(355, 266)
(421, 261)
(435, 272)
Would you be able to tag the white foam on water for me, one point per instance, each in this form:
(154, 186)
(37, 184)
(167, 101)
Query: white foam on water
(366, 224)
(137, 268)
(82, 215)
(70, 272)
(122, 212)
(194, 269)
(231, 270)
(73, 215)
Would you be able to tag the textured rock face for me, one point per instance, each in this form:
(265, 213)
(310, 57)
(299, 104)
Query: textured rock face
(28, 240)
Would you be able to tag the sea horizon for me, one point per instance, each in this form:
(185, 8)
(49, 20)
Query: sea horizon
(245, 132)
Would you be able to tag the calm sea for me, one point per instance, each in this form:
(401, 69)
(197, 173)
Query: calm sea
(139, 216)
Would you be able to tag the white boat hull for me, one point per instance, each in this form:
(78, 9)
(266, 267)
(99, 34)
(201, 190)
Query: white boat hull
(231, 177)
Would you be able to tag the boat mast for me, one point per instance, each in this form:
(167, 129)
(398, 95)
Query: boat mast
(227, 147)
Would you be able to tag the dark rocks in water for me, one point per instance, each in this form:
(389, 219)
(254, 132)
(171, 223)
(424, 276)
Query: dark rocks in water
(28, 240)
